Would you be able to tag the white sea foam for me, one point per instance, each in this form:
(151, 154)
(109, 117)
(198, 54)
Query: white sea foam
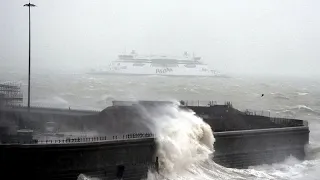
(185, 146)
(217, 89)
(183, 139)
(302, 93)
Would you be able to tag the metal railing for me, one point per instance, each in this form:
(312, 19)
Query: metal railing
(198, 103)
(277, 120)
(257, 113)
(130, 136)
(288, 122)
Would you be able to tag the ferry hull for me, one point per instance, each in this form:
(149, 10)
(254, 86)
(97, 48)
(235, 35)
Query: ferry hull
(157, 72)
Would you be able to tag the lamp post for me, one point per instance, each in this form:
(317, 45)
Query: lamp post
(29, 6)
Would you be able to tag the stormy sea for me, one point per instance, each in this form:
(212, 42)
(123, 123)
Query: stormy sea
(183, 155)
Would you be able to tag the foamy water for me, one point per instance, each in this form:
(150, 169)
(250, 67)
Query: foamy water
(185, 145)
(185, 141)
(185, 148)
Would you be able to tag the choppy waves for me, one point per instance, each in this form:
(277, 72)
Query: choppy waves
(287, 99)
(185, 147)
(302, 109)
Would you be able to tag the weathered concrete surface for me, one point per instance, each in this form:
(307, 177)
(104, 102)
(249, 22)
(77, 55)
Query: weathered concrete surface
(129, 119)
(241, 140)
(67, 161)
(252, 158)
(240, 149)
(226, 118)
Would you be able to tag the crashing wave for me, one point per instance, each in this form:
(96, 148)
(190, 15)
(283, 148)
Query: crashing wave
(185, 149)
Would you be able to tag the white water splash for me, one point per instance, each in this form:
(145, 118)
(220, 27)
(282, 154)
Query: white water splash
(185, 145)
(84, 177)
(183, 139)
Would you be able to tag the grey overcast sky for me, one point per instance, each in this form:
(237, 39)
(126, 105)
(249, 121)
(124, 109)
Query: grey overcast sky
(244, 36)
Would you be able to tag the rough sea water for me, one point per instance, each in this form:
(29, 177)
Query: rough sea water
(185, 141)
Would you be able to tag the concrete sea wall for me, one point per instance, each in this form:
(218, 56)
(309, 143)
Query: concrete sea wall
(129, 159)
(240, 149)
(242, 140)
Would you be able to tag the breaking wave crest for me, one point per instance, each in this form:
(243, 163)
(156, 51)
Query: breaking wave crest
(183, 139)
(304, 109)
(185, 149)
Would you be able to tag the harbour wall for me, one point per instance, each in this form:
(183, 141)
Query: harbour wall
(128, 119)
(126, 158)
(223, 118)
(241, 149)
(241, 139)
(104, 158)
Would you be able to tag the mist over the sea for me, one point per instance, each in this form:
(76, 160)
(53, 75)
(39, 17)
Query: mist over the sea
(265, 37)
(266, 47)
(285, 97)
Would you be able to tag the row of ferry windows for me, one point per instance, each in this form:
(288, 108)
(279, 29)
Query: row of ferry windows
(165, 65)
(152, 65)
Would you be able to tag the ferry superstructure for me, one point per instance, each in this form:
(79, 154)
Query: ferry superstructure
(134, 64)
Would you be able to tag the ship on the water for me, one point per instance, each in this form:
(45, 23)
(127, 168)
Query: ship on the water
(135, 64)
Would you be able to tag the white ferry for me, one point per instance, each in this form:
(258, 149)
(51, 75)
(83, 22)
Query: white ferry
(134, 64)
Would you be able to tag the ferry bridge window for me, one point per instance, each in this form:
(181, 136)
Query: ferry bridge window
(190, 65)
(171, 65)
(125, 57)
(138, 64)
(165, 61)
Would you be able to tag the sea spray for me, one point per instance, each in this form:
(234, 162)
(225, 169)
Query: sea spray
(84, 177)
(185, 147)
(182, 138)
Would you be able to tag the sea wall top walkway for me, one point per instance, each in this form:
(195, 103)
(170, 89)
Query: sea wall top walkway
(80, 140)
(47, 110)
